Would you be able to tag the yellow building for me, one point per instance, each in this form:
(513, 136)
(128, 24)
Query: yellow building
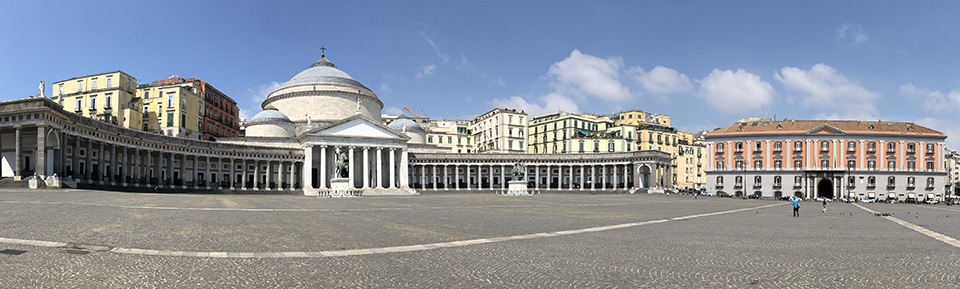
(691, 160)
(109, 97)
(173, 108)
(565, 132)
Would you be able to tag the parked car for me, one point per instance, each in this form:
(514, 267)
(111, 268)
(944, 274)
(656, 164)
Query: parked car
(724, 194)
(820, 199)
(754, 196)
(866, 200)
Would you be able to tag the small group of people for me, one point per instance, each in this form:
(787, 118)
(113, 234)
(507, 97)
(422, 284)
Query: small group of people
(796, 206)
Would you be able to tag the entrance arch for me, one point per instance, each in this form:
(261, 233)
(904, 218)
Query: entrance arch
(825, 189)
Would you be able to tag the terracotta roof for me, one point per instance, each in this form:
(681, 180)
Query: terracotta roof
(824, 126)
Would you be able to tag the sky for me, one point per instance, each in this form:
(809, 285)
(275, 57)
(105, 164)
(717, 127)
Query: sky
(706, 64)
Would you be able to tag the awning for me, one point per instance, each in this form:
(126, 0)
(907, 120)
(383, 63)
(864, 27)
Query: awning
(871, 195)
(912, 196)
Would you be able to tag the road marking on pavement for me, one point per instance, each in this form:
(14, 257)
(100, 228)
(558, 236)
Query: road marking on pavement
(382, 250)
(940, 237)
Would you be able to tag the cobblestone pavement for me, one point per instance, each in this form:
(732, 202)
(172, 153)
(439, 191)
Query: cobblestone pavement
(95, 239)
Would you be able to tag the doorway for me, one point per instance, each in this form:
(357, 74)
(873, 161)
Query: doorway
(825, 189)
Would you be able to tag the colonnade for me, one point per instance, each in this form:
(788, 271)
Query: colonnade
(377, 167)
(541, 176)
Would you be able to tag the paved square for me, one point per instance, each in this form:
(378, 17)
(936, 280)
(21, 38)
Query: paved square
(93, 239)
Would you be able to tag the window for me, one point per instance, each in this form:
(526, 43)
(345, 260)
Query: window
(758, 147)
(797, 146)
(777, 146)
(911, 164)
(872, 163)
(911, 148)
(596, 146)
(449, 139)
(851, 146)
(93, 83)
(739, 147)
(929, 164)
(610, 146)
(146, 94)
(109, 81)
(929, 145)
(79, 85)
(720, 148)
(824, 145)
(777, 181)
(581, 146)
(891, 182)
(824, 163)
(739, 181)
(871, 182)
(757, 181)
(872, 146)
(430, 139)
(797, 181)
(79, 103)
(891, 147)
(107, 100)
(60, 89)
(720, 181)
(929, 183)
(169, 99)
(891, 163)
(145, 111)
(758, 164)
(851, 182)
(93, 102)
(145, 126)
(720, 164)
(798, 163)
(169, 119)
(509, 144)
(851, 163)
(778, 164)
(739, 164)
(911, 182)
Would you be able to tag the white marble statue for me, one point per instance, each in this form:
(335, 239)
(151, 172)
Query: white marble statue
(41, 89)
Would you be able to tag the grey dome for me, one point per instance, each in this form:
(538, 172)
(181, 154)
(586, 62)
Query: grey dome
(322, 72)
(270, 114)
(397, 125)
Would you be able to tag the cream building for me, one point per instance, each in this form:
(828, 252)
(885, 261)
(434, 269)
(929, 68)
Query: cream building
(454, 135)
(109, 97)
(565, 132)
(500, 130)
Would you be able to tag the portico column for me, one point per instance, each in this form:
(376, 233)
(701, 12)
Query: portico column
(243, 174)
(124, 168)
(113, 164)
(170, 179)
(75, 174)
(536, 176)
(293, 167)
(220, 172)
(379, 167)
(433, 177)
(269, 176)
(404, 169)
(603, 177)
(41, 169)
(503, 177)
(350, 170)
(391, 178)
(183, 170)
(616, 181)
(582, 178)
(365, 166)
(136, 174)
(323, 168)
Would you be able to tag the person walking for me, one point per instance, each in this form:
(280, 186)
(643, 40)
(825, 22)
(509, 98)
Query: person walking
(824, 205)
(796, 206)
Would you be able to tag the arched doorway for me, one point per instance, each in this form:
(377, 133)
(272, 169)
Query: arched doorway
(644, 172)
(825, 189)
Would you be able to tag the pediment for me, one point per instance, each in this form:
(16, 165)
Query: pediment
(360, 128)
(825, 129)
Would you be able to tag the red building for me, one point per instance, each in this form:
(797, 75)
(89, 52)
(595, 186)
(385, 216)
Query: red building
(220, 112)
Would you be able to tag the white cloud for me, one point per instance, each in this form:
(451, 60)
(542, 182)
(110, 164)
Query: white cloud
(823, 87)
(257, 96)
(384, 87)
(392, 110)
(552, 103)
(663, 80)
(735, 92)
(934, 100)
(947, 126)
(425, 71)
(589, 76)
(436, 49)
(854, 34)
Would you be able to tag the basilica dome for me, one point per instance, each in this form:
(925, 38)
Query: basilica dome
(409, 128)
(270, 123)
(324, 93)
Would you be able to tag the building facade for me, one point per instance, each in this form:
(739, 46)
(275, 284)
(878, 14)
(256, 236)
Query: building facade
(825, 158)
(500, 130)
(454, 135)
(172, 107)
(568, 133)
(109, 97)
(293, 145)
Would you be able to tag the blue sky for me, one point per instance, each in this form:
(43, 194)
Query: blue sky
(705, 63)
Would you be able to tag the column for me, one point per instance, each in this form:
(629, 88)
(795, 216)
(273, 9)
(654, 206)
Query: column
(206, 173)
(170, 179)
(88, 167)
(603, 177)
(350, 166)
(231, 178)
(124, 167)
(196, 172)
(100, 164)
(269, 176)
(379, 167)
(75, 174)
(404, 162)
(256, 174)
(41, 169)
(616, 181)
(243, 174)
(503, 176)
(393, 168)
(536, 177)
(433, 177)
(114, 172)
(323, 167)
(155, 177)
(293, 166)
(17, 174)
(220, 172)
(136, 173)
(583, 169)
(365, 166)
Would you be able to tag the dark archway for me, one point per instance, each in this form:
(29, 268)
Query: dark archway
(825, 189)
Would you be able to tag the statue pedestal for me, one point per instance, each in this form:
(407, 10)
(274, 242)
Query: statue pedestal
(341, 188)
(517, 188)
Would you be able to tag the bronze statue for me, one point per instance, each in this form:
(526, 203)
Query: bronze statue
(341, 164)
(518, 171)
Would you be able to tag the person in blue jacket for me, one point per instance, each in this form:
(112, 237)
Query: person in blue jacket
(796, 206)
